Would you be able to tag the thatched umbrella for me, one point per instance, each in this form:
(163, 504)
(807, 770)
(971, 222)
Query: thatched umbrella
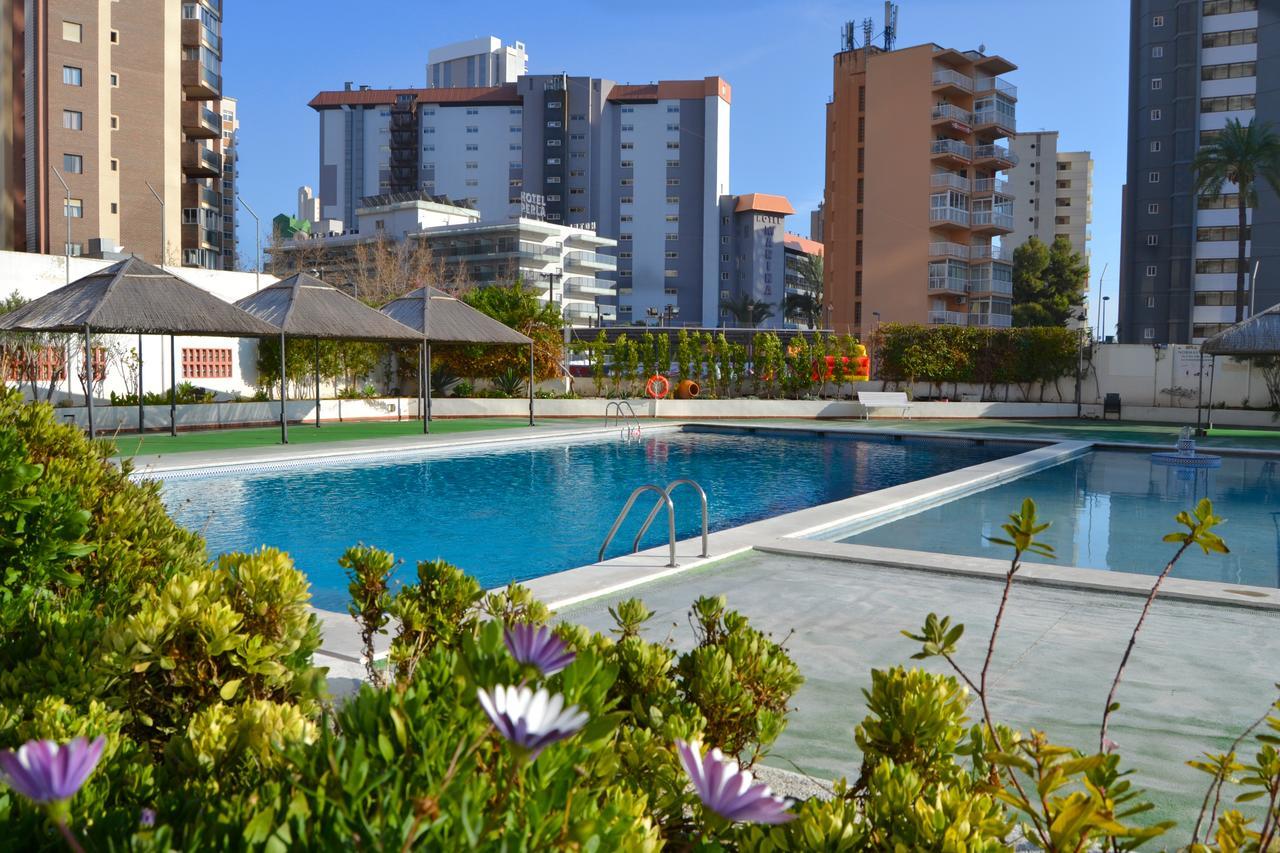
(1258, 335)
(303, 306)
(445, 319)
(134, 297)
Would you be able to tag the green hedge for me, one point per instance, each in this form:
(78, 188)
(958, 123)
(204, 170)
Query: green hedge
(954, 355)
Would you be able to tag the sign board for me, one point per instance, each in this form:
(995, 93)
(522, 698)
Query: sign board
(533, 205)
(1186, 361)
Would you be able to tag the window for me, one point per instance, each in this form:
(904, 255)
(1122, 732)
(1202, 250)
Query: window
(72, 76)
(1230, 38)
(1157, 51)
(626, 199)
(1229, 71)
(626, 182)
(553, 105)
(471, 146)
(624, 237)
(673, 128)
(1207, 136)
(672, 255)
(115, 122)
(1063, 202)
(473, 112)
(553, 179)
(1153, 239)
(115, 81)
(627, 146)
(670, 273)
(1157, 83)
(554, 124)
(673, 217)
(115, 36)
(672, 236)
(577, 137)
(1155, 146)
(1148, 333)
(472, 182)
(554, 143)
(206, 363)
(673, 164)
(428, 130)
(628, 127)
(1216, 298)
(1225, 104)
(73, 207)
(1153, 177)
(1219, 234)
(515, 111)
(115, 165)
(115, 208)
(1151, 270)
(1157, 21)
(673, 199)
(724, 276)
(71, 31)
(73, 164)
(1062, 220)
(514, 146)
(673, 108)
(553, 161)
(626, 217)
(1226, 7)
(73, 119)
(1222, 201)
(628, 109)
(627, 164)
(1151, 302)
(1210, 266)
(673, 146)
(1155, 115)
(1153, 207)
(471, 128)
(472, 164)
(673, 182)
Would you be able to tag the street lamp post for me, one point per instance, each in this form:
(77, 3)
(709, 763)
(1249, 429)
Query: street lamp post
(1102, 334)
(164, 250)
(66, 212)
(257, 231)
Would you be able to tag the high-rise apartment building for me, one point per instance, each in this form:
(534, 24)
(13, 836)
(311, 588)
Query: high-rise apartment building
(643, 165)
(117, 100)
(1053, 191)
(916, 201)
(227, 147)
(1193, 65)
(478, 62)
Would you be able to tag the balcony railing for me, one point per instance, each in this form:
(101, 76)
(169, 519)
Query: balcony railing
(986, 186)
(952, 148)
(982, 281)
(954, 215)
(201, 162)
(950, 112)
(992, 219)
(995, 152)
(1000, 254)
(999, 321)
(947, 77)
(995, 84)
(996, 118)
(592, 259)
(949, 181)
(948, 318)
(949, 250)
(948, 284)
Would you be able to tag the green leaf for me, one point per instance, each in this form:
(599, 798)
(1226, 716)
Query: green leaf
(229, 689)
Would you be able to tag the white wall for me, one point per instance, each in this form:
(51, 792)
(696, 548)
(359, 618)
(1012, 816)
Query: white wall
(493, 156)
(648, 227)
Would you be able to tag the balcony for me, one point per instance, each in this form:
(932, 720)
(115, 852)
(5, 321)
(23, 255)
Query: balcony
(949, 216)
(948, 181)
(944, 113)
(199, 237)
(996, 85)
(941, 280)
(997, 155)
(950, 149)
(949, 250)
(991, 220)
(1000, 254)
(196, 34)
(982, 281)
(948, 318)
(945, 80)
(990, 186)
(997, 321)
(200, 162)
(194, 195)
(588, 288)
(200, 122)
(199, 83)
(591, 261)
(989, 121)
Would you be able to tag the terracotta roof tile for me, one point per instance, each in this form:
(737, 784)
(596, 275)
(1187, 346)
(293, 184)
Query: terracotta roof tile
(764, 203)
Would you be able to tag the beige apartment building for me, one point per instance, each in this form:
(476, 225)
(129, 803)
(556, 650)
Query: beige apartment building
(916, 201)
(1053, 191)
(119, 101)
(227, 108)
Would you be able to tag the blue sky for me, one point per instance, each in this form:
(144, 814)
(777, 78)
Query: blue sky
(1072, 75)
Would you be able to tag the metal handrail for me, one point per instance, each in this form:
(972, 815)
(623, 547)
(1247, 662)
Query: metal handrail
(671, 520)
(632, 419)
(644, 528)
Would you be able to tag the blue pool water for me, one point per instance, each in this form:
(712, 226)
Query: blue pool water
(513, 513)
(1109, 511)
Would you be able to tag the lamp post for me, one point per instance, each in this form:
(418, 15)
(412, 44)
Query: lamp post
(257, 231)
(66, 212)
(1102, 334)
(164, 251)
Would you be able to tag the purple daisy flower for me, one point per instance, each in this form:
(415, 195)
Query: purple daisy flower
(147, 818)
(531, 720)
(536, 645)
(728, 790)
(46, 772)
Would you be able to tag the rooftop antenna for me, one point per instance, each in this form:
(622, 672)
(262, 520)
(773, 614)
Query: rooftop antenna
(846, 36)
(890, 24)
(867, 27)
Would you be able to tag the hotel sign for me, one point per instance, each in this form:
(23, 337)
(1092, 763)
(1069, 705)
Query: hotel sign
(533, 205)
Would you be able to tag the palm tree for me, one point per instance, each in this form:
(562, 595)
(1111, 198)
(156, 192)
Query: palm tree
(1240, 155)
(748, 310)
(806, 306)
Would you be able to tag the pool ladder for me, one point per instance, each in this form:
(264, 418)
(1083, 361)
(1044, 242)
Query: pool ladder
(629, 421)
(664, 499)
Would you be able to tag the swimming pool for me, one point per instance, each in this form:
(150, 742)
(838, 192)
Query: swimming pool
(513, 513)
(1109, 510)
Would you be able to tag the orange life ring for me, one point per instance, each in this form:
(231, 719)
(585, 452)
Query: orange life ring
(657, 386)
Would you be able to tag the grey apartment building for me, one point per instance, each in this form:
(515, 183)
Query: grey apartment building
(1193, 65)
(645, 165)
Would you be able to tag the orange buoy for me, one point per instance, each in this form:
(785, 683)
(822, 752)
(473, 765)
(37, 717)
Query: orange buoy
(657, 386)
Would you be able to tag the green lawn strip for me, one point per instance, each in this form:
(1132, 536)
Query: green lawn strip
(235, 439)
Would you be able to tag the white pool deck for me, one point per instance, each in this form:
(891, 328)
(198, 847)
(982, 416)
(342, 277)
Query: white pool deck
(1204, 667)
